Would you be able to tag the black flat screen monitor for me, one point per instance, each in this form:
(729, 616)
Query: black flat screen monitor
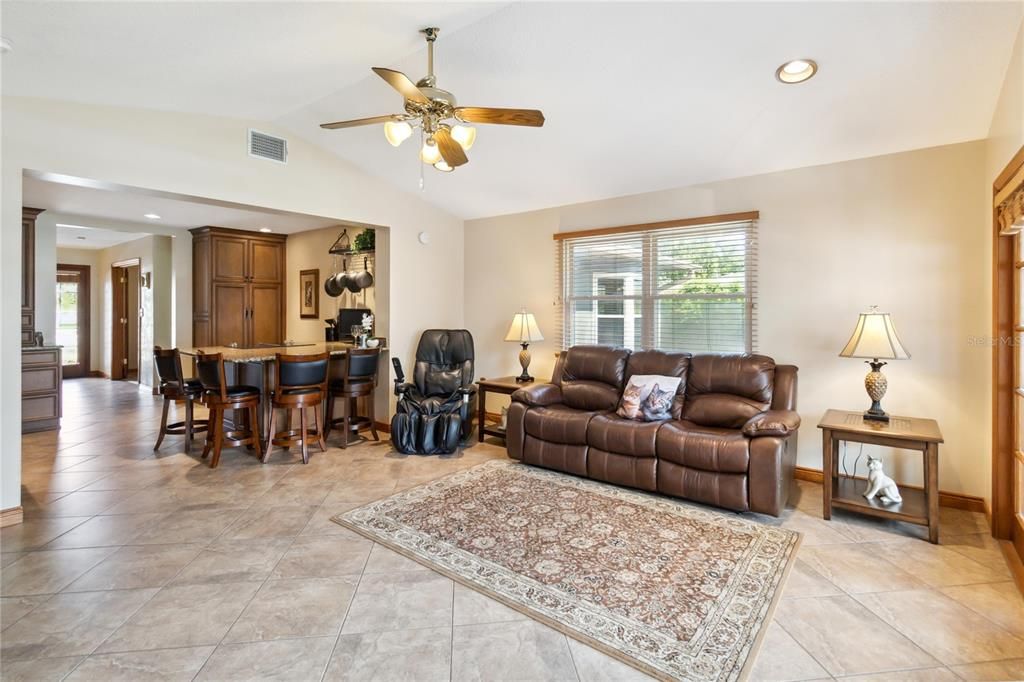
(348, 317)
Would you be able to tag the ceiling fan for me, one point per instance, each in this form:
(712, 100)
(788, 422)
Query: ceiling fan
(436, 113)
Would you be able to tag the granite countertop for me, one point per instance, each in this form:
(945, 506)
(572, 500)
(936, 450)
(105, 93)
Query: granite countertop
(269, 353)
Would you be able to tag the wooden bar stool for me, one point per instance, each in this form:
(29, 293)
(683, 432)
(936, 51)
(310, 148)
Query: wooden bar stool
(358, 380)
(301, 384)
(219, 398)
(174, 387)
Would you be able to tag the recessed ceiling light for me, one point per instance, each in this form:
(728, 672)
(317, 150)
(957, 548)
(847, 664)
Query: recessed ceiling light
(265, 229)
(5, 45)
(152, 216)
(796, 71)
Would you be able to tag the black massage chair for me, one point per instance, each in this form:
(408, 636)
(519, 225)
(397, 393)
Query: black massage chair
(435, 411)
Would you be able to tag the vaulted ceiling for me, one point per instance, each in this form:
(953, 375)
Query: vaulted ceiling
(638, 96)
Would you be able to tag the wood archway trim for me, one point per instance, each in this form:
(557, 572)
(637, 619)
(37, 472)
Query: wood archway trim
(1005, 524)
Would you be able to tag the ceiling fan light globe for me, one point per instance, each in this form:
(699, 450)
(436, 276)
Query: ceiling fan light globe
(397, 132)
(464, 135)
(443, 166)
(430, 153)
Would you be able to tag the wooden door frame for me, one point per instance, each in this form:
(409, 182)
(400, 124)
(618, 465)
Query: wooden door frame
(84, 321)
(1005, 338)
(117, 338)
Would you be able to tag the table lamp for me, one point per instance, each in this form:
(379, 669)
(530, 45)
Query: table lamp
(523, 330)
(875, 338)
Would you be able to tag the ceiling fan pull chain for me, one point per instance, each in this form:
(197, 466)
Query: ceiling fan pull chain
(421, 165)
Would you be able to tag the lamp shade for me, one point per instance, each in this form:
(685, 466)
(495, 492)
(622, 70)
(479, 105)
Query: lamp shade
(524, 329)
(875, 337)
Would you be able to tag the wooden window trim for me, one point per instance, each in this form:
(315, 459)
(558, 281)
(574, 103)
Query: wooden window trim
(663, 225)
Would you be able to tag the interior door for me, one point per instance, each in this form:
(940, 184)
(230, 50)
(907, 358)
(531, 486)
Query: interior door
(265, 314)
(73, 322)
(119, 332)
(1008, 355)
(230, 314)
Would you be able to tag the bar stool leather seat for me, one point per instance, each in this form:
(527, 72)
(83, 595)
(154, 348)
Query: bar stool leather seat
(175, 387)
(301, 385)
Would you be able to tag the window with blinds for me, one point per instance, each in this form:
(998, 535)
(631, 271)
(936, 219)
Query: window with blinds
(689, 288)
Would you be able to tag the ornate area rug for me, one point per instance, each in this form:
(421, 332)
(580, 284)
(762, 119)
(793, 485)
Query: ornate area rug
(677, 590)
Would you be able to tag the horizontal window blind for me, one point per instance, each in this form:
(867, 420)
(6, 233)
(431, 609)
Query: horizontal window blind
(691, 288)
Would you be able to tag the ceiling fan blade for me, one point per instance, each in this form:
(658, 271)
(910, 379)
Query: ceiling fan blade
(451, 151)
(509, 117)
(399, 81)
(360, 122)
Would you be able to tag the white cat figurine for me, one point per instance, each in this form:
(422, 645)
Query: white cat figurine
(881, 485)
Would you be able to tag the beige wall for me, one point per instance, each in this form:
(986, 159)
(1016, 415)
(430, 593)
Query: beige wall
(308, 251)
(153, 252)
(205, 156)
(1006, 134)
(900, 231)
(156, 253)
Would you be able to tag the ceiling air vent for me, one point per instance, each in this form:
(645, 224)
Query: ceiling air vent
(267, 146)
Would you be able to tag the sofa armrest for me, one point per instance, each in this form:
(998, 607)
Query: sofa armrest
(539, 395)
(778, 423)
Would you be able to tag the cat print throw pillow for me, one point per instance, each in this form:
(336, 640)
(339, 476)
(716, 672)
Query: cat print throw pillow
(648, 397)
(657, 406)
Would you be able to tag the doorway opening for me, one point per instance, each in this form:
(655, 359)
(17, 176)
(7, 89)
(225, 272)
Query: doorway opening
(127, 312)
(73, 319)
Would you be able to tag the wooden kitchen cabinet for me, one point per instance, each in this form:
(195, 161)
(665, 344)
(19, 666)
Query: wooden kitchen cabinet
(28, 274)
(41, 384)
(238, 287)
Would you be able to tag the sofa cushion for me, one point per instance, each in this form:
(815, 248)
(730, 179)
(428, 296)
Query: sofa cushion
(612, 433)
(634, 472)
(665, 364)
(592, 377)
(703, 447)
(558, 424)
(558, 456)
(721, 490)
(725, 390)
(723, 410)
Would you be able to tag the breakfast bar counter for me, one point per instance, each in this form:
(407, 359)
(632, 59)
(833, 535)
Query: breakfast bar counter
(267, 352)
(253, 365)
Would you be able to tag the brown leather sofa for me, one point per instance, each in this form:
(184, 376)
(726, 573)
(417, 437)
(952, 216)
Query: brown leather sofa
(731, 441)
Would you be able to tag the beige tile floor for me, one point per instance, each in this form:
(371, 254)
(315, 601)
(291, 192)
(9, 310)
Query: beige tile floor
(132, 565)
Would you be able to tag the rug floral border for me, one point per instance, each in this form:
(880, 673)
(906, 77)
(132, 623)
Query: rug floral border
(724, 647)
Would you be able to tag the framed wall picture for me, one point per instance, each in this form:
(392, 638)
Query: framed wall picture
(309, 294)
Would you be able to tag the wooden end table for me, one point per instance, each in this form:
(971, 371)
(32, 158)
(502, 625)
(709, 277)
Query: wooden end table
(920, 506)
(504, 385)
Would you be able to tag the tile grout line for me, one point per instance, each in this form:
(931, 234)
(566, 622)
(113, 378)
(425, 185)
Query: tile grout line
(344, 619)
(802, 648)
(967, 606)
